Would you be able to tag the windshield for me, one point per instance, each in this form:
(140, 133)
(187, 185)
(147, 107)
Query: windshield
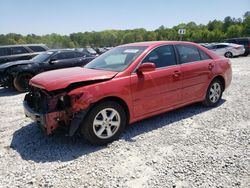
(117, 59)
(42, 57)
(90, 50)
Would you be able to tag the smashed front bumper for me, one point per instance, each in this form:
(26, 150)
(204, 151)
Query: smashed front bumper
(49, 121)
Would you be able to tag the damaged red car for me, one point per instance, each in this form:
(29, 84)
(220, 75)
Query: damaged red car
(124, 85)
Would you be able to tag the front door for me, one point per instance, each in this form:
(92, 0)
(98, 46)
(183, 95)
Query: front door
(159, 89)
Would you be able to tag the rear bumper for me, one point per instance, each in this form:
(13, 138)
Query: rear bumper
(48, 121)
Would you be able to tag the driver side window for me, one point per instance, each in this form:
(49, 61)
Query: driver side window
(162, 56)
(64, 55)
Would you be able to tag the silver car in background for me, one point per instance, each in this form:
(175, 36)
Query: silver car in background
(228, 50)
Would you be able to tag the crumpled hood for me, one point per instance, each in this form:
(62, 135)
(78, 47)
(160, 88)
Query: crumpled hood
(62, 78)
(13, 63)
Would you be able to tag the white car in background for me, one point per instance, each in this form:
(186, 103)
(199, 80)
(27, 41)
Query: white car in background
(227, 49)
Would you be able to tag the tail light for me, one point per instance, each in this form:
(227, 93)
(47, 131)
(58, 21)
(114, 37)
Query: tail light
(248, 45)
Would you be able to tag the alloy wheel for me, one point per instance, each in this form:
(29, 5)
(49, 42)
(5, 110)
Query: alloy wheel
(215, 92)
(106, 123)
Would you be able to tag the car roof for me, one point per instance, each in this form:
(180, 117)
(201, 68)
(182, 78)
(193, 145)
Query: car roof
(156, 43)
(17, 45)
(63, 50)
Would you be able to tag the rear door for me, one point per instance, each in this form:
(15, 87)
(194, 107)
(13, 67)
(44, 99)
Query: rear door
(160, 89)
(196, 69)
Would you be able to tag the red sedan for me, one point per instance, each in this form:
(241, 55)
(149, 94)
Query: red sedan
(124, 85)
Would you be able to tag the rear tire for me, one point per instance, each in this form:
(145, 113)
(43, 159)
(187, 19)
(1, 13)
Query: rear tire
(214, 93)
(21, 82)
(246, 54)
(104, 123)
(228, 54)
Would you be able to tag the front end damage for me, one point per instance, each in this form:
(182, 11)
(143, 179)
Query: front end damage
(51, 111)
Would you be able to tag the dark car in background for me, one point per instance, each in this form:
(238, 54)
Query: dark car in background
(88, 50)
(20, 52)
(18, 73)
(245, 41)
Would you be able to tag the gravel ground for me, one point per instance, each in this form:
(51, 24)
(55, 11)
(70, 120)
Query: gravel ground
(189, 147)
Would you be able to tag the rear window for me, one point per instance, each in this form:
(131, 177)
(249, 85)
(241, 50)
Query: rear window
(4, 51)
(37, 48)
(18, 50)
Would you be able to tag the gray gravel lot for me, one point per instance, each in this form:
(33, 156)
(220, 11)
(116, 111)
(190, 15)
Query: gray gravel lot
(190, 147)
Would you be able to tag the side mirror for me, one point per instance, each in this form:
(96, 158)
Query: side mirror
(146, 67)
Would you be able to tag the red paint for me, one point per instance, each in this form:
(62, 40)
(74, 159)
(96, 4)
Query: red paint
(145, 94)
(58, 79)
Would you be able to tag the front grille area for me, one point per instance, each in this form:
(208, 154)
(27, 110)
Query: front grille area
(41, 102)
(37, 100)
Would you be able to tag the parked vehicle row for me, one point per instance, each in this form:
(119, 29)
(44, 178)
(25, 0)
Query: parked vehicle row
(231, 48)
(18, 73)
(228, 50)
(245, 41)
(20, 52)
(124, 85)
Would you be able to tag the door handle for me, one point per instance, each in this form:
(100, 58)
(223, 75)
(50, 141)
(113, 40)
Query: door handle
(176, 74)
(210, 66)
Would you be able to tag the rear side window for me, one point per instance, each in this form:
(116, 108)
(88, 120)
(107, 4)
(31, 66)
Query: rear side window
(231, 41)
(203, 55)
(18, 50)
(4, 51)
(244, 42)
(37, 48)
(162, 56)
(188, 53)
(221, 46)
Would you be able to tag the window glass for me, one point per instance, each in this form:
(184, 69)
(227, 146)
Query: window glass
(221, 46)
(188, 53)
(81, 54)
(162, 56)
(18, 50)
(37, 48)
(204, 56)
(65, 55)
(117, 59)
(243, 42)
(231, 41)
(4, 51)
(44, 56)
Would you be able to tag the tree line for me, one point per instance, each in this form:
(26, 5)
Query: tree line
(214, 31)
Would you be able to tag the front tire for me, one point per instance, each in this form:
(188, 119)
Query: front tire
(104, 123)
(21, 82)
(214, 93)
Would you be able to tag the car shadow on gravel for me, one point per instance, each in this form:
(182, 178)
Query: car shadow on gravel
(165, 119)
(5, 92)
(32, 143)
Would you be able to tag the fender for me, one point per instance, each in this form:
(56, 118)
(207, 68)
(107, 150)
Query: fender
(30, 68)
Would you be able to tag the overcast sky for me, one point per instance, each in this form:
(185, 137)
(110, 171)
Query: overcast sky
(65, 17)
